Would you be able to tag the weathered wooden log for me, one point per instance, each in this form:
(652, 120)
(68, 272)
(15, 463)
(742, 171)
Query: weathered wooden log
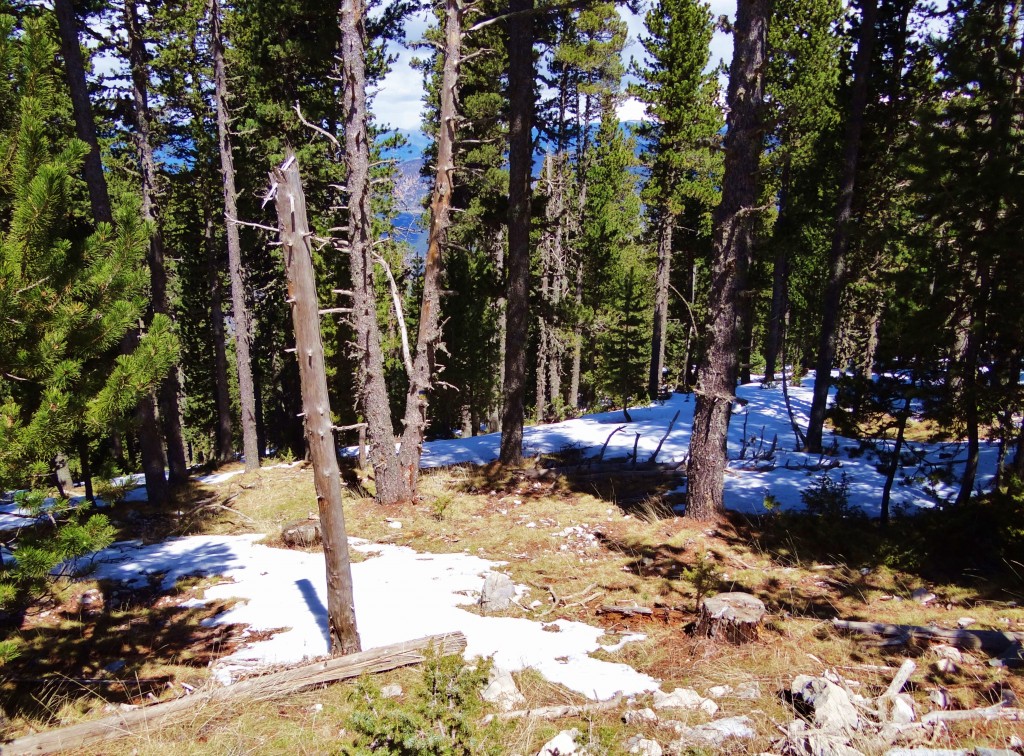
(628, 611)
(988, 714)
(736, 617)
(263, 687)
(990, 641)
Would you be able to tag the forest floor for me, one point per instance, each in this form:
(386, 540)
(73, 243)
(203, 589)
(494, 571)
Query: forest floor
(104, 644)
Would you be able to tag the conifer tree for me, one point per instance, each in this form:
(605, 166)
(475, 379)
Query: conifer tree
(681, 136)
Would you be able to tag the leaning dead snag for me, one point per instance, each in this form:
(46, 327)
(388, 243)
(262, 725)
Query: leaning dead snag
(316, 405)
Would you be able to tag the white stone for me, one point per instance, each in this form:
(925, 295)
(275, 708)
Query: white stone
(939, 697)
(948, 652)
(395, 524)
(833, 709)
(644, 746)
(497, 593)
(965, 622)
(709, 707)
(748, 691)
(638, 716)
(502, 691)
(717, 732)
(391, 691)
(562, 744)
(946, 666)
(902, 709)
(922, 596)
(720, 691)
(680, 698)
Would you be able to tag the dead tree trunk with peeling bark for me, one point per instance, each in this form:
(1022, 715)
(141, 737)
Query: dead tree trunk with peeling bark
(239, 307)
(316, 405)
(373, 392)
(421, 376)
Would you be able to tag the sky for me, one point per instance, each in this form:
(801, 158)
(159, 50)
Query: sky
(398, 101)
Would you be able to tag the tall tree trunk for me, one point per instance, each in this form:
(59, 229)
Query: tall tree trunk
(372, 388)
(841, 236)
(421, 379)
(170, 388)
(969, 389)
(223, 449)
(316, 406)
(780, 283)
(666, 227)
(239, 306)
(733, 246)
(85, 126)
(494, 412)
(520, 149)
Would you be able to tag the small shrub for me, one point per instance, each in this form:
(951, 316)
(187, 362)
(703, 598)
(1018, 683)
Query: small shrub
(828, 498)
(440, 719)
(704, 576)
(439, 506)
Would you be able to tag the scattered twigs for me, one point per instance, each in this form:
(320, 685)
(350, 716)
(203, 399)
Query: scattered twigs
(558, 712)
(654, 457)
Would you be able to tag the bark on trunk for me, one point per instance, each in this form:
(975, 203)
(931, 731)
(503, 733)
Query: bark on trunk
(170, 388)
(841, 236)
(716, 381)
(666, 227)
(223, 451)
(421, 379)
(316, 406)
(780, 284)
(239, 307)
(85, 126)
(520, 143)
(370, 360)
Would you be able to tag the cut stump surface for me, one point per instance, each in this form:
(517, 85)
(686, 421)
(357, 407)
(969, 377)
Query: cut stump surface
(736, 617)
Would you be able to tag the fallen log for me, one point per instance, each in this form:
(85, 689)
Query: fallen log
(990, 641)
(988, 714)
(629, 611)
(262, 687)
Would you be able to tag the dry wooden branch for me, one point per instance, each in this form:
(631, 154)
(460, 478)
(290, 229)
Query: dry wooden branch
(991, 641)
(905, 671)
(557, 712)
(605, 446)
(628, 611)
(264, 687)
(654, 457)
(988, 714)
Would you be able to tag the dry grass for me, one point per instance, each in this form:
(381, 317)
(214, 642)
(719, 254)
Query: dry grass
(609, 556)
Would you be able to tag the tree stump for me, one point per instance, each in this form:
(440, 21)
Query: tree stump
(302, 534)
(733, 616)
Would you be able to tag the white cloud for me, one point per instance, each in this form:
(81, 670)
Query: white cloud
(632, 110)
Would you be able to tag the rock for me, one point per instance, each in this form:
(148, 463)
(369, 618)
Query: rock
(818, 742)
(709, 707)
(717, 732)
(639, 716)
(922, 596)
(497, 593)
(946, 666)
(901, 709)
(502, 691)
(562, 744)
(748, 691)
(831, 705)
(391, 691)
(965, 622)
(680, 698)
(116, 666)
(926, 752)
(994, 752)
(948, 652)
(939, 697)
(394, 524)
(302, 534)
(1016, 742)
(643, 746)
(720, 691)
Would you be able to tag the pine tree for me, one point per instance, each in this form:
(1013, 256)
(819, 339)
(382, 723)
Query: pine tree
(680, 140)
(76, 297)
